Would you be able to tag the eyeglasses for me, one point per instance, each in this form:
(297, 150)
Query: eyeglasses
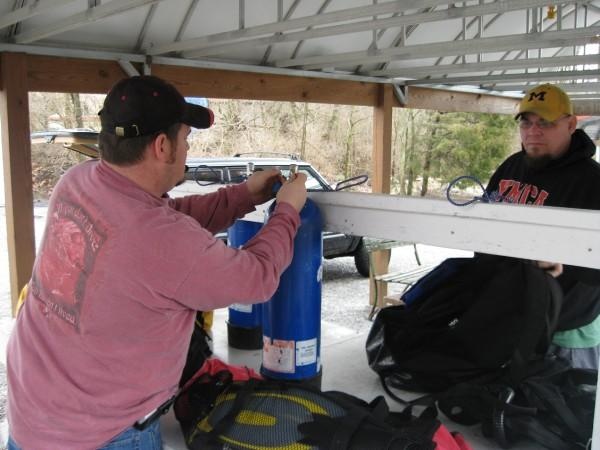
(542, 124)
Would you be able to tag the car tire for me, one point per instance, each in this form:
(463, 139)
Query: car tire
(361, 260)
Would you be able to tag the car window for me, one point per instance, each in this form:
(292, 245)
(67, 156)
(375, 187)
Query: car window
(312, 182)
(237, 174)
(205, 175)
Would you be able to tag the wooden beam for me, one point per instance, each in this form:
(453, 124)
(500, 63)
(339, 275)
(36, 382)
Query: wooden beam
(48, 74)
(254, 86)
(88, 76)
(381, 177)
(454, 101)
(382, 140)
(14, 118)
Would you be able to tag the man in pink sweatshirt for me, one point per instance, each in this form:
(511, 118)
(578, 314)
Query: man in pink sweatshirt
(102, 337)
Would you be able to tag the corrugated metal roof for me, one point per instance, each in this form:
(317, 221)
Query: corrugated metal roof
(499, 45)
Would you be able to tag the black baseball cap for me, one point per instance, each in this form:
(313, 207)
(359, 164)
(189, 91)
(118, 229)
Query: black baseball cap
(143, 105)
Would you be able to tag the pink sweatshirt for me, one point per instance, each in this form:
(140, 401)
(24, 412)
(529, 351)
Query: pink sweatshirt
(102, 338)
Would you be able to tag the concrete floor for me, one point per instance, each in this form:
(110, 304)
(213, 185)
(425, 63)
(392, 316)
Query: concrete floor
(344, 369)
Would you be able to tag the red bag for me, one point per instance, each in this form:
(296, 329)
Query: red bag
(446, 440)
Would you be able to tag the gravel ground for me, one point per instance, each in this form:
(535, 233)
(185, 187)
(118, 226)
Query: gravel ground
(345, 294)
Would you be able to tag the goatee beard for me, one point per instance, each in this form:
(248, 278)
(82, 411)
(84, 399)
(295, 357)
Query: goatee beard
(537, 162)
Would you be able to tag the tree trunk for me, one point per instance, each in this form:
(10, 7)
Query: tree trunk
(77, 112)
(331, 123)
(409, 160)
(303, 136)
(429, 155)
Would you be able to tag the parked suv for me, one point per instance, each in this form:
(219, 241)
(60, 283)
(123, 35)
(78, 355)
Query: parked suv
(205, 175)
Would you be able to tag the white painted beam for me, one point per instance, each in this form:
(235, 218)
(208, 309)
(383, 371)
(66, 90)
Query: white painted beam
(77, 20)
(500, 6)
(26, 12)
(294, 24)
(567, 87)
(479, 80)
(128, 68)
(570, 236)
(487, 66)
(548, 39)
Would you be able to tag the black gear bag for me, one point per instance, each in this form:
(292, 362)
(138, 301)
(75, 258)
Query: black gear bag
(474, 334)
(552, 405)
(470, 318)
(216, 412)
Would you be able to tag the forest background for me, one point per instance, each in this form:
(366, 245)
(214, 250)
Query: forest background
(429, 148)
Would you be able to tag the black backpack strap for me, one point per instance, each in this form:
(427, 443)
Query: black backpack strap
(533, 429)
(388, 391)
(499, 416)
(541, 316)
(228, 419)
(343, 434)
(556, 405)
(379, 408)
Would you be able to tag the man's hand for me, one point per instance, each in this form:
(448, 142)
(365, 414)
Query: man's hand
(293, 192)
(260, 184)
(554, 269)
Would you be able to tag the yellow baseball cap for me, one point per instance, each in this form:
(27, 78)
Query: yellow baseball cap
(547, 101)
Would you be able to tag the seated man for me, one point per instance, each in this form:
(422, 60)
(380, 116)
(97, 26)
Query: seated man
(556, 168)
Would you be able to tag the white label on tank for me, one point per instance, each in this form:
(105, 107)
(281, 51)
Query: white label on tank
(241, 308)
(306, 352)
(278, 355)
(320, 273)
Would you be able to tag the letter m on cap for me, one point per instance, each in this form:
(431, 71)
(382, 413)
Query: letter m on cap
(539, 96)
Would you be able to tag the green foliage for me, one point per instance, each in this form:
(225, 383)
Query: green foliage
(472, 144)
(449, 145)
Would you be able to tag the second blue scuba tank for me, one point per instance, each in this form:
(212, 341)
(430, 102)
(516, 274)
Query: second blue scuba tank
(244, 327)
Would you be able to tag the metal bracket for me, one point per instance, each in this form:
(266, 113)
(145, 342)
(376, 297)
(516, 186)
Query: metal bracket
(148, 65)
(401, 93)
(128, 68)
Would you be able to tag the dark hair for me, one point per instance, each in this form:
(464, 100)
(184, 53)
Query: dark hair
(128, 151)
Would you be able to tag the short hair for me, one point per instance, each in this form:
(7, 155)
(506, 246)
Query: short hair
(128, 151)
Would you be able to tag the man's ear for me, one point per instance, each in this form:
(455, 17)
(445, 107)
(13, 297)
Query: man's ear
(160, 148)
(572, 123)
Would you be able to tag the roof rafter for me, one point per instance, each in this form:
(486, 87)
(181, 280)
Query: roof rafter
(77, 20)
(288, 14)
(321, 10)
(186, 20)
(423, 71)
(489, 79)
(24, 13)
(301, 22)
(551, 39)
(567, 87)
(367, 25)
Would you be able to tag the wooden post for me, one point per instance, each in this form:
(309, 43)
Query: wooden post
(18, 186)
(381, 177)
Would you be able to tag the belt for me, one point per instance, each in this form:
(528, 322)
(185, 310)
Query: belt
(161, 410)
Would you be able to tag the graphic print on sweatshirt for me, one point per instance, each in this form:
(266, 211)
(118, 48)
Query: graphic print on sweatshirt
(513, 191)
(68, 254)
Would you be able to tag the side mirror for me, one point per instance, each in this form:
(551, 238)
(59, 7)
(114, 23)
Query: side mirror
(351, 182)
